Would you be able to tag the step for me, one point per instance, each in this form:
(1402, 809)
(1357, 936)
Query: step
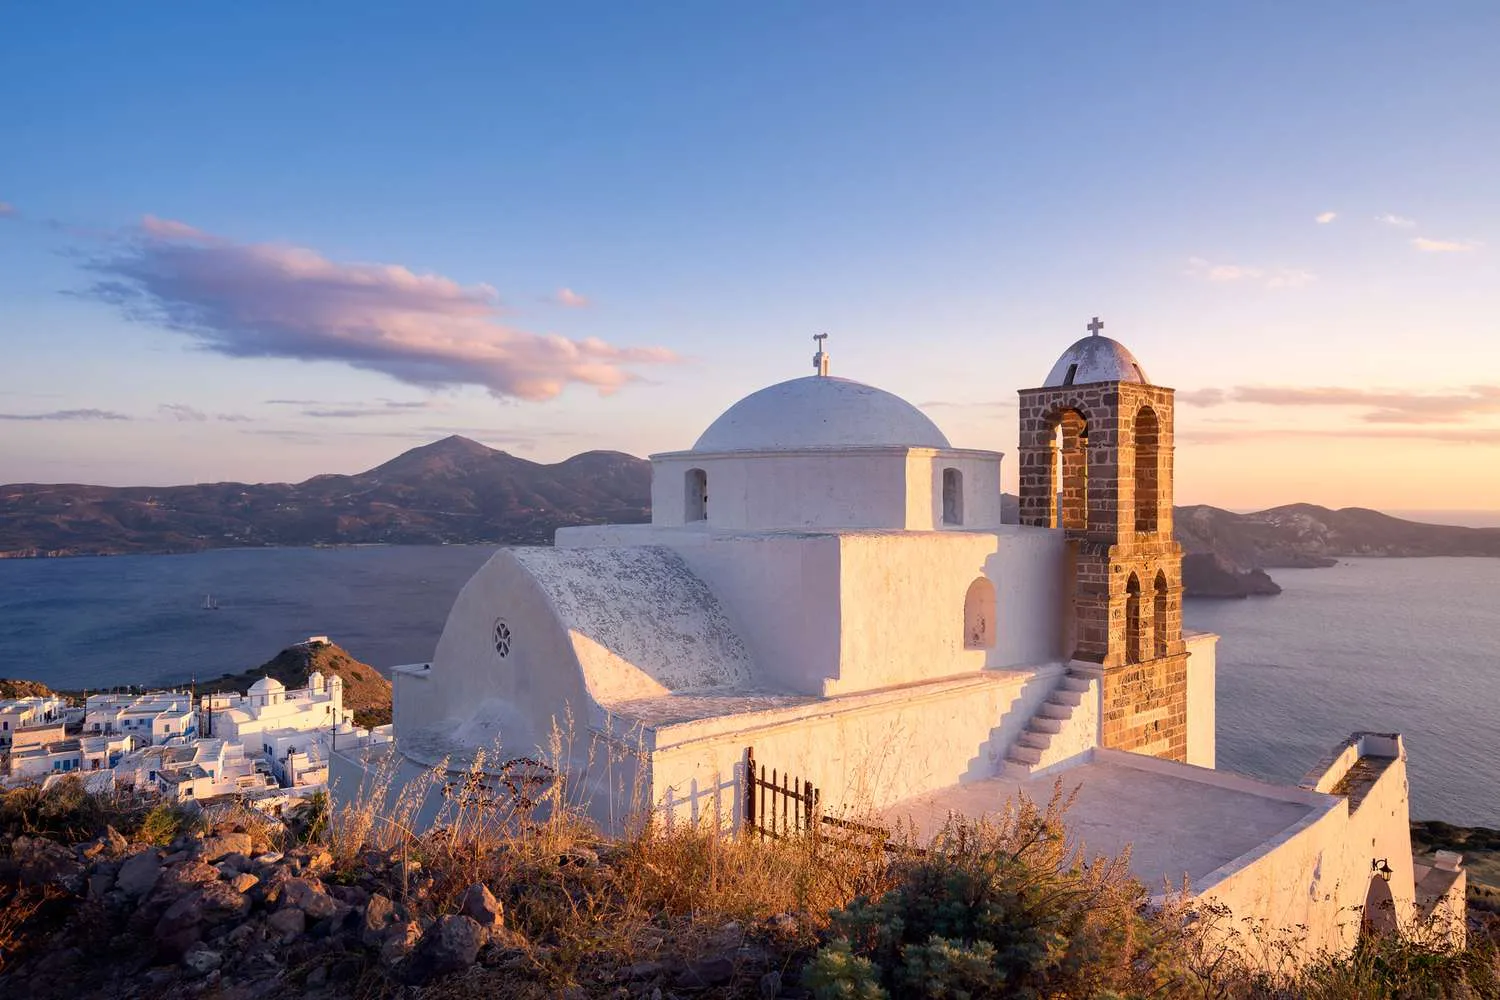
(1015, 771)
(1072, 683)
(1045, 724)
(1070, 698)
(1031, 738)
(1024, 755)
(1061, 713)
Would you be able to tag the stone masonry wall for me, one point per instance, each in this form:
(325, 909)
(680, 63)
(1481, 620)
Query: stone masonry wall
(1145, 685)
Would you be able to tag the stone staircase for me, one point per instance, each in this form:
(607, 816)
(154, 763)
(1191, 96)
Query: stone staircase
(1037, 747)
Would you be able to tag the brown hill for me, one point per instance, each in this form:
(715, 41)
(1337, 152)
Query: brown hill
(451, 491)
(11, 688)
(366, 693)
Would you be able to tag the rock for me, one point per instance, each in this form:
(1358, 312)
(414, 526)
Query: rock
(212, 904)
(184, 877)
(44, 862)
(201, 961)
(244, 882)
(645, 970)
(380, 913)
(318, 976)
(287, 924)
(236, 861)
(481, 906)
(351, 894)
(399, 941)
(100, 883)
(138, 874)
(450, 945)
(706, 973)
(770, 985)
(783, 924)
(115, 842)
(309, 896)
(175, 858)
(269, 858)
(223, 844)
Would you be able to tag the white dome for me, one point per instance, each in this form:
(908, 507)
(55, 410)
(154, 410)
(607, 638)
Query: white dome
(267, 685)
(1096, 359)
(820, 411)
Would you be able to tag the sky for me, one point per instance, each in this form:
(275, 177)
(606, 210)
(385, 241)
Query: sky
(260, 242)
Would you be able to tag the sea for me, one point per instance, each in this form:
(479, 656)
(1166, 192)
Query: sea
(1408, 645)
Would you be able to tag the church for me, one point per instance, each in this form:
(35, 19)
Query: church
(829, 588)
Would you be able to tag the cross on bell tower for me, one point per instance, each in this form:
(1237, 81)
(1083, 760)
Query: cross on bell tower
(1095, 326)
(820, 360)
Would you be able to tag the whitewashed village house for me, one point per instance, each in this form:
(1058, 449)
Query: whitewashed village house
(19, 713)
(828, 581)
(152, 718)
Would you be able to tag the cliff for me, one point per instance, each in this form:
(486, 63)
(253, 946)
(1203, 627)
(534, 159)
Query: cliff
(10, 688)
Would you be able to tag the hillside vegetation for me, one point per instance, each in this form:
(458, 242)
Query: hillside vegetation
(109, 898)
(11, 688)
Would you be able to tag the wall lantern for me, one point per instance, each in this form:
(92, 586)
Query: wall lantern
(1382, 867)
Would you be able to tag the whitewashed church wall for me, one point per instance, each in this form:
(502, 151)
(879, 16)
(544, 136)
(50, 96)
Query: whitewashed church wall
(854, 489)
(1031, 571)
(863, 753)
(1202, 682)
(535, 681)
(1315, 881)
(981, 489)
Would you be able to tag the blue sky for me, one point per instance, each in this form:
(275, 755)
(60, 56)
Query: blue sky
(258, 242)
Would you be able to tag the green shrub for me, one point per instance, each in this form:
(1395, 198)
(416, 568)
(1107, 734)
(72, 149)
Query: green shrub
(164, 824)
(836, 973)
(1006, 908)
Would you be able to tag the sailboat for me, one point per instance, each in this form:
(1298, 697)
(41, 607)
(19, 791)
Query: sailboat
(209, 604)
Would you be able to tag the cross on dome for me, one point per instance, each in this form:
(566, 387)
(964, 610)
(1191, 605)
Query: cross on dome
(820, 360)
(1095, 326)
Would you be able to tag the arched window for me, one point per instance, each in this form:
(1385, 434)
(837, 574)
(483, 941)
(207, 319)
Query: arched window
(1159, 615)
(1070, 475)
(953, 496)
(1133, 619)
(695, 502)
(979, 615)
(1147, 469)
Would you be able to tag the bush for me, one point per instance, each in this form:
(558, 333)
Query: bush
(164, 824)
(1005, 909)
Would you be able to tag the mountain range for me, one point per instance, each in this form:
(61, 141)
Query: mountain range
(459, 491)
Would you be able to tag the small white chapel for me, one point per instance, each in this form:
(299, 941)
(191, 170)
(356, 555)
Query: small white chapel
(827, 588)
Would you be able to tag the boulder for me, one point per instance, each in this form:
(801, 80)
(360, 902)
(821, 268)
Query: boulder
(138, 875)
(309, 896)
(210, 905)
(380, 913)
(177, 879)
(479, 904)
(200, 961)
(398, 942)
(288, 924)
(450, 945)
(42, 861)
(223, 844)
(244, 882)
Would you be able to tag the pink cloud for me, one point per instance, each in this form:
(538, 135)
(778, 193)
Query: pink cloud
(276, 301)
(571, 299)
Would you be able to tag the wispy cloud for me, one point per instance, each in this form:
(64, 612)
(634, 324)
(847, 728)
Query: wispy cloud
(1399, 221)
(1273, 277)
(1426, 245)
(334, 408)
(569, 298)
(7, 209)
(65, 415)
(1324, 218)
(182, 412)
(1447, 435)
(275, 301)
(1202, 397)
(1380, 406)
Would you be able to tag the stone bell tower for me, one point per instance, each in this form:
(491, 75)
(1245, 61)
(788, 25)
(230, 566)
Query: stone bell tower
(1096, 461)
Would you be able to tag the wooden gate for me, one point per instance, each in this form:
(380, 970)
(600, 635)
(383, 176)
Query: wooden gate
(779, 805)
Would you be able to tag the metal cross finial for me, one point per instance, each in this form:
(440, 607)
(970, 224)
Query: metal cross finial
(820, 360)
(1095, 326)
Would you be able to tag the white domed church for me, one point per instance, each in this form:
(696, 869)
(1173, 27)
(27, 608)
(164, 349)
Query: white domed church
(828, 588)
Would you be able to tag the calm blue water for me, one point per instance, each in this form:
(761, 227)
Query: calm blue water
(1385, 644)
(92, 623)
(1411, 645)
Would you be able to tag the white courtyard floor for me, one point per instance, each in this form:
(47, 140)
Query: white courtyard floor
(1177, 819)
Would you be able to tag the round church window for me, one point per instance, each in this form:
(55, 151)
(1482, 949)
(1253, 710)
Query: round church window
(502, 637)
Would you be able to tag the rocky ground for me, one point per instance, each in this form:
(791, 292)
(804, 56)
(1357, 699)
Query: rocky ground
(212, 915)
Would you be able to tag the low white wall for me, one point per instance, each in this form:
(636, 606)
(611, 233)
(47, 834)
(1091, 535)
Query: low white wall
(1202, 710)
(863, 752)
